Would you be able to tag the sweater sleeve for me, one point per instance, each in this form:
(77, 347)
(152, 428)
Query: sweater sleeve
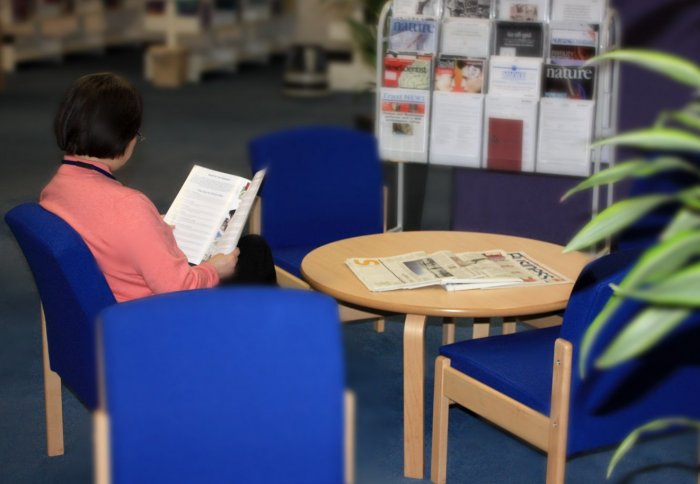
(149, 244)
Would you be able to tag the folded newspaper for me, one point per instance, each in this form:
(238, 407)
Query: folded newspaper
(456, 272)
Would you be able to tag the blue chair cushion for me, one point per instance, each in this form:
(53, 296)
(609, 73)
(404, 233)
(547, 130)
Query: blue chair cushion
(289, 258)
(518, 365)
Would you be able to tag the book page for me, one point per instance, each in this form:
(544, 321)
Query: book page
(200, 207)
(237, 219)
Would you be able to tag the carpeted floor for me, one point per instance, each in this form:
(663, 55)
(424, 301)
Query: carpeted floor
(210, 123)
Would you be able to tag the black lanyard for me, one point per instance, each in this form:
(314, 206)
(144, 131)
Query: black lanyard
(88, 166)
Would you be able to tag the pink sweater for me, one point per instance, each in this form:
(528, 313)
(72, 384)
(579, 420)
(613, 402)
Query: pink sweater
(134, 248)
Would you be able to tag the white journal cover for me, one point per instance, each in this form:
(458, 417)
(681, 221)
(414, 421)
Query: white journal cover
(565, 136)
(515, 76)
(403, 124)
(456, 129)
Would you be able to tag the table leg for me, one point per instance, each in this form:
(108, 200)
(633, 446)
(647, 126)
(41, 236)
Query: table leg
(413, 396)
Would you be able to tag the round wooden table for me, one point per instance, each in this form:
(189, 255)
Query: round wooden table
(325, 270)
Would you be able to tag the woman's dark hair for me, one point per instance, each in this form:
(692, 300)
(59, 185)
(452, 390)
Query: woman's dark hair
(98, 117)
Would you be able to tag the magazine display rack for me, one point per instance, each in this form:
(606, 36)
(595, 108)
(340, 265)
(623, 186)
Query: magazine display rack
(499, 84)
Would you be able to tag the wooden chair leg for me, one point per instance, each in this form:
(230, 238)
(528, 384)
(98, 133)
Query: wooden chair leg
(52, 399)
(559, 414)
(379, 325)
(508, 326)
(100, 439)
(441, 413)
(448, 330)
(481, 328)
(349, 437)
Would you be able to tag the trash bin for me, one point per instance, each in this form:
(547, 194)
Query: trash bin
(306, 71)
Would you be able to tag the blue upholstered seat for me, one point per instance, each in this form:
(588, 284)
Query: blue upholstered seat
(289, 258)
(323, 184)
(518, 365)
(72, 289)
(239, 385)
(606, 405)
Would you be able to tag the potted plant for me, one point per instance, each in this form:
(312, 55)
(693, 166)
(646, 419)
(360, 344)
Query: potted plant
(667, 275)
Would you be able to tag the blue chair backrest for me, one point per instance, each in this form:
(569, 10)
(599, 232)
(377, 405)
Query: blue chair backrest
(72, 289)
(225, 385)
(647, 230)
(608, 404)
(323, 184)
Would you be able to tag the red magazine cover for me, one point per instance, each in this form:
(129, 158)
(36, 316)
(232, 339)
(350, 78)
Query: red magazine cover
(411, 72)
(505, 144)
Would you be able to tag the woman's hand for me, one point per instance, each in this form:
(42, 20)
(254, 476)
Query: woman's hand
(225, 264)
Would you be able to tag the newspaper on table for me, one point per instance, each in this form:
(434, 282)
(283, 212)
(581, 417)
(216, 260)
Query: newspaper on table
(454, 271)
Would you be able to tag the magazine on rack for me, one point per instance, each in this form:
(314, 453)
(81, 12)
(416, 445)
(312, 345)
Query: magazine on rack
(468, 8)
(210, 212)
(521, 10)
(403, 124)
(589, 11)
(413, 8)
(465, 36)
(573, 45)
(412, 36)
(454, 271)
(569, 82)
(521, 39)
(510, 127)
(459, 74)
(407, 71)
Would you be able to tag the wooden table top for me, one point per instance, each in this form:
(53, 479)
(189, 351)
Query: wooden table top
(325, 270)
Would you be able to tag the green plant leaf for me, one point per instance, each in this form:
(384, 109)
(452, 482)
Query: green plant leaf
(656, 264)
(679, 289)
(683, 221)
(636, 434)
(656, 138)
(674, 67)
(636, 168)
(615, 218)
(691, 197)
(365, 37)
(689, 119)
(643, 332)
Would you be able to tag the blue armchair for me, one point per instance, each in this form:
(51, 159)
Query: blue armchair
(221, 385)
(525, 383)
(73, 291)
(322, 184)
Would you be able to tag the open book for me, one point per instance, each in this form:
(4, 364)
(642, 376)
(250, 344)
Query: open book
(456, 272)
(210, 212)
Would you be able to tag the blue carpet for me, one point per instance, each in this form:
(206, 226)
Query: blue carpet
(210, 123)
